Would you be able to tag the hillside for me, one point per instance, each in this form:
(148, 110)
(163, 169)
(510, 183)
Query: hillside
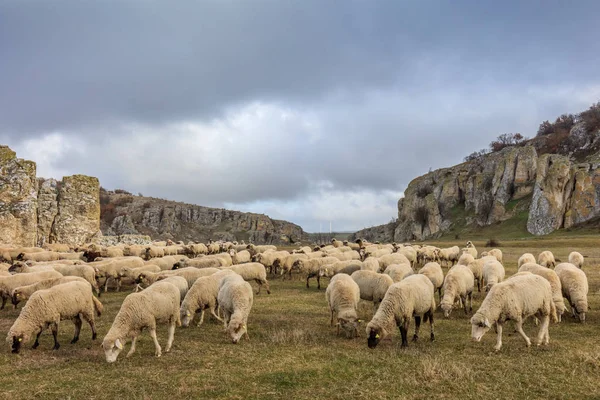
(522, 188)
(123, 213)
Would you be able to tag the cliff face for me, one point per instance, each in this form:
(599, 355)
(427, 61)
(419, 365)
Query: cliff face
(136, 215)
(37, 211)
(557, 190)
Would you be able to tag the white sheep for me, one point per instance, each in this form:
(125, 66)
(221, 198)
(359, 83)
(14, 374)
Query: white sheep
(179, 282)
(434, 272)
(450, 255)
(411, 297)
(158, 303)
(516, 299)
(546, 259)
(335, 268)
(470, 250)
(23, 293)
(312, 266)
(289, 262)
(72, 300)
(399, 271)
(373, 286)
(465, 259)
(493, 273)
(235, 300)
(497, 253)
(575, 288)
(370, 264)
(576, 259)
(555, 284)
(343, 295)
(458, 285)
(526, 258)
(394, 258)
(189, 273)
(9, 283)
(201, 296)
(239, 257)
(252, 272)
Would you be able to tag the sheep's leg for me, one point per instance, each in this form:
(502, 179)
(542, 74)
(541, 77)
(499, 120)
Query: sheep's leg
(132, 349)
(37, 339)
(332, 315)
(519, 328)
(212, 312)
(318, 282)
(463, 299)
(170, 337)
(201, 318)
(432, 334)
(106, 285)
(499, 336)
(54, 327)
(259, 285)
(158, 350)
(3, 302)
(543, 336)
(78, 322)
(417, 327)
(118, 284)
(266, 283)
(404, 334)
(440, 293)
(307, 278)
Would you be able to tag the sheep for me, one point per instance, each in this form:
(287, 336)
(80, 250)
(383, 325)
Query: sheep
(224, 258)
(110, 269)
(399, 271)
(190, 274)
(134, 250)
(493, 272)
(158, 303)
(370, 264)
(459, 284)
(526, 258)
(204, 262)
(271, 260)
(153, 252)
(373, 286)
(57, 247)
(410, 253)
(235, 300)
(546, 259)
(83, 271)
(20, 267)
(335, 268)
(288, 264)
(450, 254)
(71, 300)
(376, 253)
(346, 256)
(8, 283)
(476, 266)
(554, 281)
(195, 249)
(469, 250)
(434, 272)
(179, 282)
(389, 259)
(312, 266)
(252, 272)
(426, 254)
(343, 295)
(239, 257)
(411, 297)
(465, 259)
(574, 286)
(22, 293)
(167, 262)
(201, 296)
(516, 299)
(133, 273)
(576, 259)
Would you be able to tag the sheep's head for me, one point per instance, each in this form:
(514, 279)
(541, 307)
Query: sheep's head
(374, 335)
(17, 267)
(469, 244)
(236, 330)
(16, 341)
(177, 265)
(257, 257)
(479, 326)
(350, 326)
(323, 271)
(112, 348)
(141, 278)
(580, 308)
(297, 264)
(232, 252)
(447, 308)
(186, 316)
(17, 296)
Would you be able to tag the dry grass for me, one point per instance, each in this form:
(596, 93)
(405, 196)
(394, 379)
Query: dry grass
(293, 353)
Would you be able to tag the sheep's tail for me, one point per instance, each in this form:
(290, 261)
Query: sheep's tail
(97, 305)
(553, 315)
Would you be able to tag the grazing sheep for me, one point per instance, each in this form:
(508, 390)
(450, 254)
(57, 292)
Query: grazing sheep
(153, 252)
(434, 272)
(204, 262)
(20, 267)
(179, 282)
(288, 264)
(576, 259)
(465, 259)
(158, 303)
(343, 295)
(196, 249)
(411, 297)
(134, 273)
(493, 272)
(526, 258)
(335, 268)
(470, 250)
(399, 271)
(271, 259)
(373, 286)
(83, 271)
(476, 266)
(22, 293)
(9, 283)
(546, 259)
(201, 296)
(389, 259)
(516, 299)
(410, 253)
(167, 262)
(554, 281)
(72, 300)
(57, 247)
(252, 272)
(235, 300)
(189, 273)
(239, 257)
(39, 256)
(450, 255)
(312, 266)
(574, 286)
(370, 264)
(458, 284)
(497, 253)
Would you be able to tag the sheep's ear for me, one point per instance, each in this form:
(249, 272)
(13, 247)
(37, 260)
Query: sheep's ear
(118, 344)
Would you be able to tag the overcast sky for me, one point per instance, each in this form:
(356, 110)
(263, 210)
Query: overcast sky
(309, 111)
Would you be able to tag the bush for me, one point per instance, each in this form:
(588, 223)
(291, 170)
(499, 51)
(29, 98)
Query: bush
(107, 213)
(591, 118)
(121, 201)
(506, 140)
(563, 124)
(121, 191)
(476, 155)
(492, 243)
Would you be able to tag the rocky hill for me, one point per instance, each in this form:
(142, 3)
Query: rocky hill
(548, 183)
(125, 214)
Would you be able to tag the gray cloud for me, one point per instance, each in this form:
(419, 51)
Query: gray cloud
(286, 107)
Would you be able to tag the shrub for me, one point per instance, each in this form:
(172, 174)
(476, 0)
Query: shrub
(121, 191)
(476, 155)
(107, 213)
(492, 243)
(562, 124)
(121, 201)
(506, 140)
(591, 117)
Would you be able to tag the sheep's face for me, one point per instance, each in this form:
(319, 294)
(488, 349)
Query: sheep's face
(323, 272)
(374, 336)
(17, 341)
(112, 349)
(447, 308)
(479, 328)
(17, 297)
(349, 326)
(236, 330)
(186, 317)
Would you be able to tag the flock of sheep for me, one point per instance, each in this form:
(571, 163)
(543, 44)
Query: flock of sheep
(174, 284)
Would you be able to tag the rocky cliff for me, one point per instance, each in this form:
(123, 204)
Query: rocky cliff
(555, 191)
(123, 213)
(36, 211)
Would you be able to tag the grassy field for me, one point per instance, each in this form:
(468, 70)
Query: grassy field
(294, 354)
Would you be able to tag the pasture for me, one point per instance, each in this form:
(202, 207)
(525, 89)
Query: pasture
(293, 353)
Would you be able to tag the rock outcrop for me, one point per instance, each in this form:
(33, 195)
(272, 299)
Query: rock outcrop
(125, 214)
